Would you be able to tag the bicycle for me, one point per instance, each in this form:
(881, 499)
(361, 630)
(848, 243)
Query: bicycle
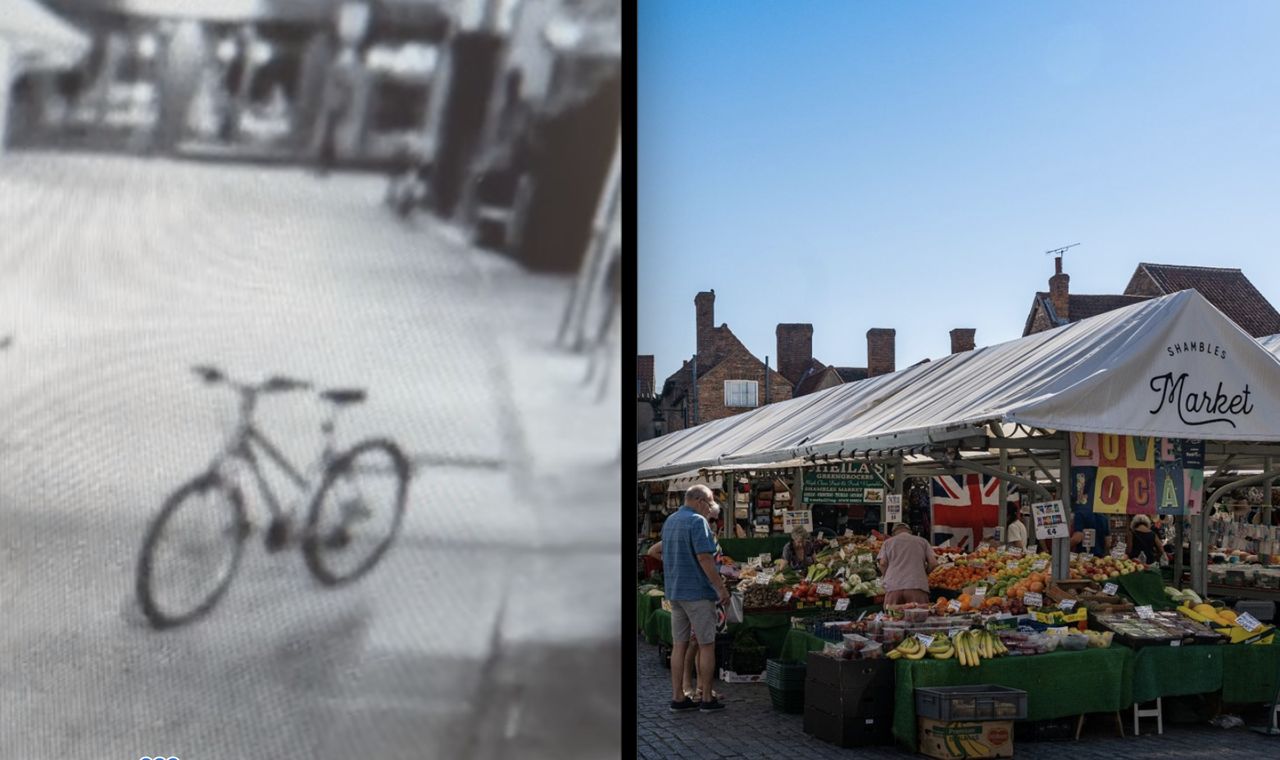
(338, 479)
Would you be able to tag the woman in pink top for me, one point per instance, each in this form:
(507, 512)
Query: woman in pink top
(905, 562)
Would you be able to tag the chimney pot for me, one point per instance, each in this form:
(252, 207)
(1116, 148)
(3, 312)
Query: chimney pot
(795, 349)
(962, 339)
(880, 351)
(705, 307)
(1059, 292)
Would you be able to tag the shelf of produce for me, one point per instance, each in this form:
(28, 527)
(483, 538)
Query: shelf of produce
(1099, 680)
(1244, 592)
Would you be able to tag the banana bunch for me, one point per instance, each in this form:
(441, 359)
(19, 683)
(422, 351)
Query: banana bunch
(975, 646)
(911, 648)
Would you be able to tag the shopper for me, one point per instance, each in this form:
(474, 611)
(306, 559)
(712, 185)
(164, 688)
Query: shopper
(1015, 533)
(1144, 545)
(693, 585)
(1096, 521)
(799, 551)
(905, 562)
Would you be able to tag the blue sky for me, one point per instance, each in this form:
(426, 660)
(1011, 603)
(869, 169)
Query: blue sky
(906, 165)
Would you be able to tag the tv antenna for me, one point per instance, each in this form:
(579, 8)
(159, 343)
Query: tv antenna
(1060, 251)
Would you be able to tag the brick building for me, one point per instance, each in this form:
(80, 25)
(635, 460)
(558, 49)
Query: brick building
(1227, 289)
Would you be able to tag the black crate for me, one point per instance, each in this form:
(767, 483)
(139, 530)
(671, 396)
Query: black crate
(969, 703)
(1052, 730)
(847, 732)
(785, 674)
(850, 675)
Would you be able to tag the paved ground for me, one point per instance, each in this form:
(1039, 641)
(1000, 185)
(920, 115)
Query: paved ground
(749, 727)
(116, 274)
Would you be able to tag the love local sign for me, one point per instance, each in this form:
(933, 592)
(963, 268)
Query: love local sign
(1123, 474)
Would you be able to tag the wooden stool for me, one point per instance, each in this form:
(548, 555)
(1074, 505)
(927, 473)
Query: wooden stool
(1119, 725)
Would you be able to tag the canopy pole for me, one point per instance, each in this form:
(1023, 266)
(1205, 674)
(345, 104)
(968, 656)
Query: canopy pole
(1002, 511)
(1060, 548)
(1200, 531)
(897, 489)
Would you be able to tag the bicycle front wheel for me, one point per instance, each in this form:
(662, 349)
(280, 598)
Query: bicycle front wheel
(357, 512)
(191, 551)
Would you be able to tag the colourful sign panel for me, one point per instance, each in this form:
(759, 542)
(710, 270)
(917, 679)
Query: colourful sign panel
(1135, 475)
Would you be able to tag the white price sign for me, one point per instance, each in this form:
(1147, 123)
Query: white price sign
(954, 605)
(1145, 612)
(1118, 550)
(1110, 589)
(765, 559)
(1051, 520)
(1015, 551)
(786, 597)
(980, 591)
(1033, 599)
(762, 579)
(1039, 564)
(1248, 622)
(1011, 565)
(825, 589)
(842, 604)
(1067, 605)
(1090, 536)
(893, 508)
(925, 639)
(865, 559)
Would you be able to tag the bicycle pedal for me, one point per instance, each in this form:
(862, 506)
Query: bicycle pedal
(277, 537)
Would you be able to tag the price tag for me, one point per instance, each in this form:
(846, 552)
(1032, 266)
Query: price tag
(1145, 612)
(1090, 536)
(1110, 589)
(1067, 605)
(825, 589)
(762, 579)
(1118, 551)
(1175, 643)
(848, 532)
(765, 559)
(893, 508)
(954, 605)
(1033, 599)
(1040, 564)
(1248, 622)
(842, 604)
(786, 597)
(980, 591)
(865, 559)
(1011, 565)
(1015, 551)
(925, 639)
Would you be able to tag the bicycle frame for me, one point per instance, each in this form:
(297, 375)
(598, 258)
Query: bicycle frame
(241, 447)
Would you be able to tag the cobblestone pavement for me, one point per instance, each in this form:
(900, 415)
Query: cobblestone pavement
(749, 727)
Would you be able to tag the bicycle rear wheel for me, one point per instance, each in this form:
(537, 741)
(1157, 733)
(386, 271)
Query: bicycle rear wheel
(191, 551)
(356, 512)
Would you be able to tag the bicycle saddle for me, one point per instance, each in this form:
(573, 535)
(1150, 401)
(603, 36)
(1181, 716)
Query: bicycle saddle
(341, 396)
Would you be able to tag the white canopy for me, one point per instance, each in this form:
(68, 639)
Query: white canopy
(1271, 343)
(39, 37)
(1172, 366)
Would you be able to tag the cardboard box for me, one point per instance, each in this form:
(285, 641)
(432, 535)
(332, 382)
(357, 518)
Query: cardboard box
(847, 732)
(964, 739)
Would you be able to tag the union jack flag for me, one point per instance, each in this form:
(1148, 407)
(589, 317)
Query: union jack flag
(964, 509)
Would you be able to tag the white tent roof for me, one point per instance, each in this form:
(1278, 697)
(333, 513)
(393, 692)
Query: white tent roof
(1271, 343)
(40, 37)
(1172, 366)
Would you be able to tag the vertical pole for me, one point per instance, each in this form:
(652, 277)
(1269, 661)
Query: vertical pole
(766, 381)
(695, 389)
(1266, 509)
(1003, 510)
(898, 479)
(7, 75)
(1179, 535)
(1060, 548)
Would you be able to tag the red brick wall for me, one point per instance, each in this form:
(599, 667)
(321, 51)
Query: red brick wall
(1041, 321)
(962, 339)
(795, 349)
(705, 307)
(738, 365)
(1059, 290)
(644, 376)
(880, 351)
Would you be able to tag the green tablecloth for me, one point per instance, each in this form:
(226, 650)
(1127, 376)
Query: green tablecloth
(742, 548)
(1146, 587)
(645, 605)
(1249, 672)
(770, 629)
(1057, 685)
(798, 644)
(1176, 671)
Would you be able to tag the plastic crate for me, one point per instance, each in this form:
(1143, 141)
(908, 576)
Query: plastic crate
(1052, 730)
(785, 674)
(978, 702)
(1263, 610)
(787, 700)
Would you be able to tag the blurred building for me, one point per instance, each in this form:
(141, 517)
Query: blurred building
(237, 78)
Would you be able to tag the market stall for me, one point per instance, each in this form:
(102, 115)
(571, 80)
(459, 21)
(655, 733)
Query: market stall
(1171, 424)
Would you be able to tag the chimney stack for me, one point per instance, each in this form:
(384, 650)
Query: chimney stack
(795, 349)
(705, 304)
(1058, 291)
(962, 339)
(880, 351)
(644, 376)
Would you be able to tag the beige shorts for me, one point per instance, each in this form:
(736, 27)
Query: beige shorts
(698, 615)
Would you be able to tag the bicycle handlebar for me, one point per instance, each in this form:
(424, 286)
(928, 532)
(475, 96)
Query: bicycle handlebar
(273, 384)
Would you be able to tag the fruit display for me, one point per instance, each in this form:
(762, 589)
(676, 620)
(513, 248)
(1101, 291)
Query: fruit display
(1100, 569)
(1223, 621)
